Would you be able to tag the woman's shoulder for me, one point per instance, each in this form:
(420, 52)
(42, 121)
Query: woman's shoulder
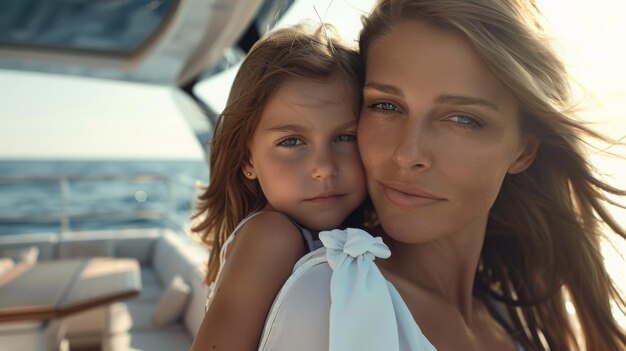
(337, 291)
(299, 317)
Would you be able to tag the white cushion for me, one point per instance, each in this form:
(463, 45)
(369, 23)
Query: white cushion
(149, 293)
(148, 278)
(169, 339)
(26, 254)
(18, 327)
(132, 316)
(151, 289)
(139, 248)
(46, 242)
(170, 258)
(88, 322)
(194, 313)
(6, 264)
(25, 340)
(172, 302)
(79, 247)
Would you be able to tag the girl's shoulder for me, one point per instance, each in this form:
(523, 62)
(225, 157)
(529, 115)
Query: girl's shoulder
(274, 226)
(266, 222)
(260, 253)
(275, 229)
(267, 233)
(265, 217)
(264, 245)
(259, 262)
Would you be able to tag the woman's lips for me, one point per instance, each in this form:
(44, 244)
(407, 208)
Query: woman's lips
(409, 197)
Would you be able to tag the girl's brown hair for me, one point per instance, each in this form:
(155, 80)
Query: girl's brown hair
(543, 237)
(294, 52)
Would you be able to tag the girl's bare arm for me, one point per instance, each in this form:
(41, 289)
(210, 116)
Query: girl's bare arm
(259, 262)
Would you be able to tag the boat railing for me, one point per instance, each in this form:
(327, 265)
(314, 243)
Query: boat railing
(65, 217)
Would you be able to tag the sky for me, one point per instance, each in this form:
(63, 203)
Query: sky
(46, 116)
(591, 37)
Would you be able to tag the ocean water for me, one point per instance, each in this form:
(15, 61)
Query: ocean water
(86, 197)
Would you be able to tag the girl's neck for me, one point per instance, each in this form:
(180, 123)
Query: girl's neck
(445, 267)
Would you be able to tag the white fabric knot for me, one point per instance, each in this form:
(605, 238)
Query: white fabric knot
(354, 243)
(366, 311)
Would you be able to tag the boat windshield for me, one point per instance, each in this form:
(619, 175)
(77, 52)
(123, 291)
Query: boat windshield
(117, 27)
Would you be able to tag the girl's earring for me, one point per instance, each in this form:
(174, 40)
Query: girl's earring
(248, 174)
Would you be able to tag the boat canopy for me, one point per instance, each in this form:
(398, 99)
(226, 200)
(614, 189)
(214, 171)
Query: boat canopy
(153, 41)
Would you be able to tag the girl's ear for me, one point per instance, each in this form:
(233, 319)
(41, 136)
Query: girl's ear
(526, 158)
(248, 170)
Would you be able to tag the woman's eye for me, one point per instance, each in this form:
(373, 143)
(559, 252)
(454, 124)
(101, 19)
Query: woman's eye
(384, 107)
(290, 142)
(465, 121)
(346, 138)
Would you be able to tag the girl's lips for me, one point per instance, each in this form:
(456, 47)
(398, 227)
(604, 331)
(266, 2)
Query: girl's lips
(404, 199)
(325, 199)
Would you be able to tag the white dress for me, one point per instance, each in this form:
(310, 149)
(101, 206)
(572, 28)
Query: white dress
(337, 299)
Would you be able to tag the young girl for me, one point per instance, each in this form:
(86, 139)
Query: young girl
(283, 158)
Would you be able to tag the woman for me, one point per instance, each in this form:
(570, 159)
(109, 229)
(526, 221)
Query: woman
(488, 206)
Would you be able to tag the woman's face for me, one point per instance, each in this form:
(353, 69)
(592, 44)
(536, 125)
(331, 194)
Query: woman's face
(437, 135)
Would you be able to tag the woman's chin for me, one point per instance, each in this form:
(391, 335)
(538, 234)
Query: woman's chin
(406, 233)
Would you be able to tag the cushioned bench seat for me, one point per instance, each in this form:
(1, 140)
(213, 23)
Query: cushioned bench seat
(173, 338)
(130, 325)
(134, 324)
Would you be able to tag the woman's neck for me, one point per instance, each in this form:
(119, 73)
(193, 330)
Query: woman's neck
(445, 267)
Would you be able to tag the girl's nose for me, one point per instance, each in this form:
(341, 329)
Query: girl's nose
(323, 164)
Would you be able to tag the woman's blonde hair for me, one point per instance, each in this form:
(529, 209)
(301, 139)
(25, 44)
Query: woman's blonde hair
(544, 230)
(294, 52)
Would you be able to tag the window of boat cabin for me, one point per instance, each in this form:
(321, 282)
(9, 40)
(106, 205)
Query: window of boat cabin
(115, 28)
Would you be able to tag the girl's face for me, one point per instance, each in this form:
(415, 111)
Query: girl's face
(438, 133)
(304, 153)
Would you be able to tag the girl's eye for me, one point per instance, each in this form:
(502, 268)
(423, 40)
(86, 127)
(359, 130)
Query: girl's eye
(290, 142)
(466, 121)
(384, 107)
(346, 138)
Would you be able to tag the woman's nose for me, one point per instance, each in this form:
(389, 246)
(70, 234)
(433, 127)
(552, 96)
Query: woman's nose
(323, 164)
(412, 150)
